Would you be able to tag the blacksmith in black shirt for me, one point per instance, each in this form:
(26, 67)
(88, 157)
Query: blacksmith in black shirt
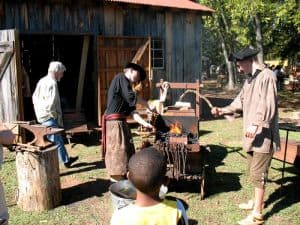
(117, 141)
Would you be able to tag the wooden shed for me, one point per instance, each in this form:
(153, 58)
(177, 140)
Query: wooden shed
(94, 39)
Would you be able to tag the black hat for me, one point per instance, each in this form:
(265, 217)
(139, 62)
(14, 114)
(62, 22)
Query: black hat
(138, 68)
(245, 53)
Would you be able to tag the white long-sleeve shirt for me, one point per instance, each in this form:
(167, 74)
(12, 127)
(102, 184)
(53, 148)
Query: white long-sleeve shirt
(46, 100)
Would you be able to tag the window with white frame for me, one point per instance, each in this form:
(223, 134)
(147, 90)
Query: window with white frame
(158, 53)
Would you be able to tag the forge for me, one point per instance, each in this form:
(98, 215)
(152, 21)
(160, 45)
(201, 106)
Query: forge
(177, 136)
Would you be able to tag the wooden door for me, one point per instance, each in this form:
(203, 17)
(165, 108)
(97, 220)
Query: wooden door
(113, 54)
(11, 104)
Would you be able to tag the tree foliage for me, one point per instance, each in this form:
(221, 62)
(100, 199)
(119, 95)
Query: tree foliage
(235, 22)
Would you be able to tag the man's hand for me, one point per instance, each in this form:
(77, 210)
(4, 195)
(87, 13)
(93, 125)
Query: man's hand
(251, 131)
(216, 111)
(140, 120)
(148, 125)
(152, 109)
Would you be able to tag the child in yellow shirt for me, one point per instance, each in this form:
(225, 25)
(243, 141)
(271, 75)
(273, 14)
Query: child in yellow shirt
(147, 172)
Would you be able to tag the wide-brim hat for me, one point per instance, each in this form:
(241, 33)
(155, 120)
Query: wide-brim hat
(245, 53)
(138, 68)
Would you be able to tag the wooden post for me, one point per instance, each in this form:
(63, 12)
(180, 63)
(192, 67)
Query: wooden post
(38, 179)
(84, 55)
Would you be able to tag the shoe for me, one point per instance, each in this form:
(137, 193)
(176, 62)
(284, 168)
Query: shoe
(252, 219)
(71, 160)
(247, 206)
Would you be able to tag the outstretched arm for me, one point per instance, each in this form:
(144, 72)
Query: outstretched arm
(235, 106)
(140, 120)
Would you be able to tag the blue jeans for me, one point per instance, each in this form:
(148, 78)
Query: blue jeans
(57, 139)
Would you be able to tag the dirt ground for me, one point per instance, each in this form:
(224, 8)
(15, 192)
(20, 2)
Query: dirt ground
(290, 101)
(85, 186)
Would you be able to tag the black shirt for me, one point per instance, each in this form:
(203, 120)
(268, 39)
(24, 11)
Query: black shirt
(120, 97)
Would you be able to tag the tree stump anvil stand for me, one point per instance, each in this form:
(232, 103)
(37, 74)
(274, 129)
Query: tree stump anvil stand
(38, 171)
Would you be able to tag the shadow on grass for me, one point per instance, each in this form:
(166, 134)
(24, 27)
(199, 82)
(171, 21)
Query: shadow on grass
(284, 197)
(215, 182)
(203, 132)
(219, 182)
(84, 167)
(84, 191)
(289, 168)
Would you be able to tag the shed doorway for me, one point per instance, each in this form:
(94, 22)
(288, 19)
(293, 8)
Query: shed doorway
(37, 50)
(114, 52)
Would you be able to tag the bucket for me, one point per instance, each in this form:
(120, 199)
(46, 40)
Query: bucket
(122, 194)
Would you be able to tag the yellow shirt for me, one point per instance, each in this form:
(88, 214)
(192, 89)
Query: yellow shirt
(164, 213)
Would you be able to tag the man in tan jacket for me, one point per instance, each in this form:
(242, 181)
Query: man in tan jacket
(258, 101)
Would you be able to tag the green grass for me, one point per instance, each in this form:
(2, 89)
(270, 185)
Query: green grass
(86, 199)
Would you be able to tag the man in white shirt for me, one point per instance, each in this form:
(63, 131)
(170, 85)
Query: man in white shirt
(47, 107)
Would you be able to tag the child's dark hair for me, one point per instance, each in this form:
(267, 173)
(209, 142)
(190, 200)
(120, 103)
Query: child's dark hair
(147, 169)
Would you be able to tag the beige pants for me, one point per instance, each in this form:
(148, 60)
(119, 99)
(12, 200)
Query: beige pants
(258, 167)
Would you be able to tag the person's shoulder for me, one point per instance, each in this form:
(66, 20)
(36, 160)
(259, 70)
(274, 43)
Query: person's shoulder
(178, 206)
(170, 201)
(124, 212)
(268, 74)
(46, 80)
(120, 76)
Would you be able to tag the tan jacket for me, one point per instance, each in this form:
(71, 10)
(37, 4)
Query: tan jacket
(258, 101)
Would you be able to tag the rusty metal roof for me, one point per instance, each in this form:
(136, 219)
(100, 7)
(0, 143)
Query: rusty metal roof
(180, 4)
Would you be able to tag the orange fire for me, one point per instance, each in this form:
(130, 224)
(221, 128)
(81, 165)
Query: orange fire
(175, 128)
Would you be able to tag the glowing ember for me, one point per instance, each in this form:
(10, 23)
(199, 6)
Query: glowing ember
(175, 128)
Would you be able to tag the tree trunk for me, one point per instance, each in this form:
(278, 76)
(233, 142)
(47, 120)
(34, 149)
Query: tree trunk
(225, 38)
(38, 179)
(258, 37)
(231, 83)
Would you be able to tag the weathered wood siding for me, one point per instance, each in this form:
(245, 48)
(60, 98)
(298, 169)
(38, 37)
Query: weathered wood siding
(52, 16)
(180, 29)
(10, 84)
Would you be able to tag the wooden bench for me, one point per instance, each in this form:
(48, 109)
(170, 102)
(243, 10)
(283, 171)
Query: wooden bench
(75, 123)
(292, 151)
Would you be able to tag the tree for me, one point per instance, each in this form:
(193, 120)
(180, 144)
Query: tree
(219, 24)
(271, 26)
(284, 37)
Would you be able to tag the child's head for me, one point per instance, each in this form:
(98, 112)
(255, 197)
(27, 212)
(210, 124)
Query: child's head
(147, 170)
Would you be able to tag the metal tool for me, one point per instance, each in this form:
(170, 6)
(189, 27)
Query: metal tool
(40, 133)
